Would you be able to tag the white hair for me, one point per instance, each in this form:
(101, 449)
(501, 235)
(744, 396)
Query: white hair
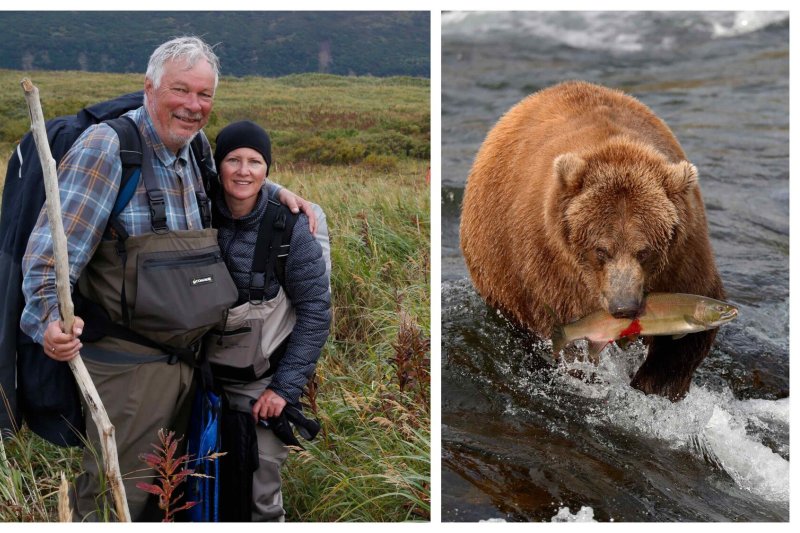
(189, 48)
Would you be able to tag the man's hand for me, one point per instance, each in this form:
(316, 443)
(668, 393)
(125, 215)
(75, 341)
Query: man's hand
(62, 346)
(297, 204)
(269, 404)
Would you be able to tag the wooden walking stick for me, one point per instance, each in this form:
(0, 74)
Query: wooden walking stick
(82, 377)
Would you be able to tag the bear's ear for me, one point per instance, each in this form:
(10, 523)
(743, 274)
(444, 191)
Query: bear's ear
(569, 171)
(681, 178)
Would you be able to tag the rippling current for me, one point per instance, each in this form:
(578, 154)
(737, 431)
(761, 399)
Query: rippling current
(526, 439)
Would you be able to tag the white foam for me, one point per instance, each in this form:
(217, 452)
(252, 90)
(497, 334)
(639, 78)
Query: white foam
(768, 410)
(747, 22)
(585, 514)
(752, 465)
(588, 30)
(713, 424)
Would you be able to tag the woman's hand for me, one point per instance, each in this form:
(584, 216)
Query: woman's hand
(269, 404)
(62, 346)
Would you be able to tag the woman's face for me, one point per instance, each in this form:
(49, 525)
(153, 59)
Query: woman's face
(243, 172)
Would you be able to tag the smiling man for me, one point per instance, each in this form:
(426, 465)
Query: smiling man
(179, 97)
(143, 274)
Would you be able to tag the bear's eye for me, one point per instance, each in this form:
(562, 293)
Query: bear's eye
(643, 255)
(602, 254)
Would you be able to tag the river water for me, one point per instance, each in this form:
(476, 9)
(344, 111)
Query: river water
(524, 440)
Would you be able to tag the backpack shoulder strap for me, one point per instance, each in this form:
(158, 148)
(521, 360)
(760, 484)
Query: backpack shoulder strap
(205, 160)
(271, 250)
(130, 154)
(202, 154)
(131, 157)
(280, 262)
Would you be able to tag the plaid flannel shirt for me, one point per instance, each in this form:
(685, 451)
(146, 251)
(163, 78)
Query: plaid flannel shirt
(89, 177)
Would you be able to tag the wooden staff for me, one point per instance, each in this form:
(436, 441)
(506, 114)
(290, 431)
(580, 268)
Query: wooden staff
(65, 305)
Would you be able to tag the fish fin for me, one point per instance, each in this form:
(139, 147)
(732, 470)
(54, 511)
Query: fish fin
(625, 342)
(595, 347)
(676, 337)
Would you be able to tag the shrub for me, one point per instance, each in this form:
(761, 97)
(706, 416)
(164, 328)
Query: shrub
(380, 163)
(339, 151)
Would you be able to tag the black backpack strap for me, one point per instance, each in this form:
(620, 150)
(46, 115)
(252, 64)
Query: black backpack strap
(205, 161)
(131, 156)
(259, 271)
(271, 250)
(280, 262)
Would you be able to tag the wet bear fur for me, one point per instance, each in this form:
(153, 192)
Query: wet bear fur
(581, 199)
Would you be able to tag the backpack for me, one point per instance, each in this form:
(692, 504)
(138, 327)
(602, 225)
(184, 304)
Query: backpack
(34, 387)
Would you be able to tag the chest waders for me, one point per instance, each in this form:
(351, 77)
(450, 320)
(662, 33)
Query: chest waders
(243, 353)
(154, 294)
(146, 301)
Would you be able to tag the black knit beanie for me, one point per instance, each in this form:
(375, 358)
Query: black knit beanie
(243, 134)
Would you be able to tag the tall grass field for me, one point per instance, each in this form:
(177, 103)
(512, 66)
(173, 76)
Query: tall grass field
(360, 148)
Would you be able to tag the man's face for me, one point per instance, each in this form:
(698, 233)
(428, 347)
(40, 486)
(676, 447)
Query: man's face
(181, 105)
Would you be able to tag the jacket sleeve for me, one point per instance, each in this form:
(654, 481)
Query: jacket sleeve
(88, 180)
(308, 289)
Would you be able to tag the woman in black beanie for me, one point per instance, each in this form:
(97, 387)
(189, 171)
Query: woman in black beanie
(268, 348)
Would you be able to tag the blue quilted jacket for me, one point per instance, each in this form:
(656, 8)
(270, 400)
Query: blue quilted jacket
(307, 287)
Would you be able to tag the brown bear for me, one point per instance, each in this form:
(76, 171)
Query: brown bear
(581, 199)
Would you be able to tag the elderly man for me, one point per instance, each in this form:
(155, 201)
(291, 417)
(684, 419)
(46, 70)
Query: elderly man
(158, 275)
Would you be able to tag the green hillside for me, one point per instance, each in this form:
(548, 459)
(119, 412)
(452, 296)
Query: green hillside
(248, 43)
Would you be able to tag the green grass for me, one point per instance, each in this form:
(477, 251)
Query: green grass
(371, 462)
(29, 477)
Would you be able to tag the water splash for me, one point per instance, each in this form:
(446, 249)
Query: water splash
(752, 465)
(727, 433)
(747, 22)
(585, 514)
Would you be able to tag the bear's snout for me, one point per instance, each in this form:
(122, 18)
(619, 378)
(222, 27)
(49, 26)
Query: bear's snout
(623, 293)
(625, 310)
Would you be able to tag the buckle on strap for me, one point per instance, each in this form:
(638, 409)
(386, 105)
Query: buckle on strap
(158, 211)
(187, 355)
(257, 289)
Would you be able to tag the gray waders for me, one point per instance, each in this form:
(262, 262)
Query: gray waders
(242, 356)
(176, 287)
